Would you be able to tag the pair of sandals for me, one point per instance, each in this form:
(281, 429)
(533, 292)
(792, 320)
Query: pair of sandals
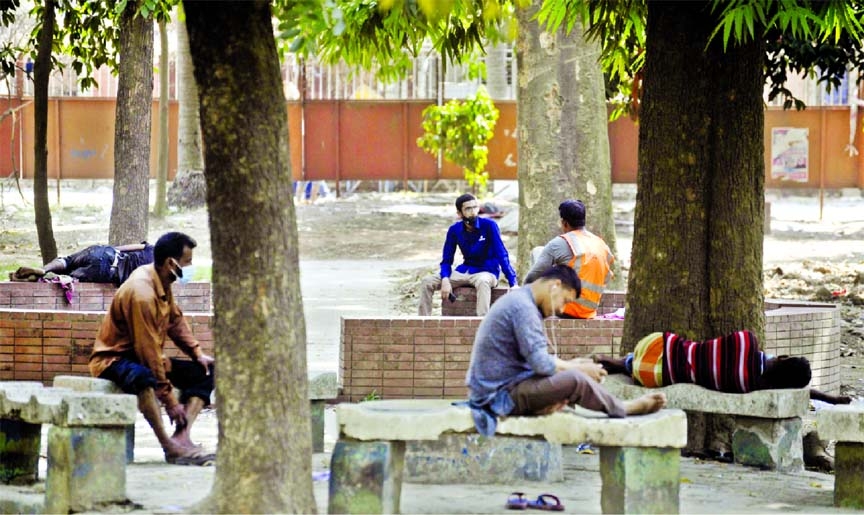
(547, 502)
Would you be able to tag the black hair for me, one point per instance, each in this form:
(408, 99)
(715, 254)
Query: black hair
(171, 244)
(572, 212)
(463, 199)
(566, 275)
(788, 372)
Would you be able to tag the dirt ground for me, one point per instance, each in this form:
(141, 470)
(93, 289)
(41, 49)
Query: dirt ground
(805, 257)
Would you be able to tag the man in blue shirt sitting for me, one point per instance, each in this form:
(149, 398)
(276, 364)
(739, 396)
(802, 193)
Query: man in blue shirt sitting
(484, 258)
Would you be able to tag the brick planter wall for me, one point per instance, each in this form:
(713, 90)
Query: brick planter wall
(38, 345)
(427, 357)
(466, 302)
(192, 297)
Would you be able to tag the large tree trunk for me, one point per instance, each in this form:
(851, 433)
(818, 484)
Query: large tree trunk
(188, 190)
(132, 128)
(696, 264)
(265, 445)
(563, 140)
(42, 74)
(160, 208)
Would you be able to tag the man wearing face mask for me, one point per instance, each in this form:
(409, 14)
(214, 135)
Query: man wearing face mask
(484, 258)
(512, 372)
(129, 349)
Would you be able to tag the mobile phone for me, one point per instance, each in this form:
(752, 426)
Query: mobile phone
(452, 297)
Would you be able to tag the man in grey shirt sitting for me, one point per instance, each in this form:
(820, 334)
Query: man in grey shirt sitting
(513, 373)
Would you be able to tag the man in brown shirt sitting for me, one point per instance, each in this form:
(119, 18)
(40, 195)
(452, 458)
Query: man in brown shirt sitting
(129, 349)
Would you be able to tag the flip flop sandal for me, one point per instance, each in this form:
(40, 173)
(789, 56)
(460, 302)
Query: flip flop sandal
(547, 502)
(203, 460)
(517, 501)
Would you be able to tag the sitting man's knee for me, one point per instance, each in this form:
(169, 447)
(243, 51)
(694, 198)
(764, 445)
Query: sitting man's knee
(430, 282)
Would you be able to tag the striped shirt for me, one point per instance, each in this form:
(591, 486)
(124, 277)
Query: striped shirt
(731, 364)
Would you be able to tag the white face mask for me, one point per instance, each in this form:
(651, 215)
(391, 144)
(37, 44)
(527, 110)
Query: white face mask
(185, 274)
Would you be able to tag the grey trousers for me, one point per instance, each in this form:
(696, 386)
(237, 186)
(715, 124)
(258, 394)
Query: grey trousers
(538, 392)
(483, 282)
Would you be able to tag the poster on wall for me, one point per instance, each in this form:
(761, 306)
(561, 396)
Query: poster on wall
(789, 148)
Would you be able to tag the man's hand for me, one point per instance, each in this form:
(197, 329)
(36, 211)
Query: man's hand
(593, 370)
(205, 362)
(446, 289)
(177, 415)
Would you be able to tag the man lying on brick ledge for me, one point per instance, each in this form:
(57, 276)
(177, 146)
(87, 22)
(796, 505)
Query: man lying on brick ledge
(94, 264)
(513, 373)
(129, 350)
(730, 364)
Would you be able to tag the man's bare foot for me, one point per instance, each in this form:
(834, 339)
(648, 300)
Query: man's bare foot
(648, 403)
(183, 441)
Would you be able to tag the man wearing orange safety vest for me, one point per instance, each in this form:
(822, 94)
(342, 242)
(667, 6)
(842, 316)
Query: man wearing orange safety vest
(582, 251)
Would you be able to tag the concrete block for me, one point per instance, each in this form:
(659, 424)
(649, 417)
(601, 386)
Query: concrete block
(472, 458)
(19, 451)
(639, 480)
(317, 421)
(86, 384)
(844, 423)
(86, 468)
(96, 409)
(366, 477)
(774, 444)
(428, 419)
(323, 385)
(849, 475)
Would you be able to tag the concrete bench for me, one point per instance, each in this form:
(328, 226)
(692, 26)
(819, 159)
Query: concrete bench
(639, 456)
(86, 443)
(768, 423)
(845, 424)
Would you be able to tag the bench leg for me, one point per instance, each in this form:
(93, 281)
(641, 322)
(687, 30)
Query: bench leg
(773, 444)
(86, 468)
(366, 477)
(639, 479)
(849, 475)
(19, 451)
(317, 410)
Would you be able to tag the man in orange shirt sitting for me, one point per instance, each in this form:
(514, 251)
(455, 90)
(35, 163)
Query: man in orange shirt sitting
(129, 349)
(584, 252)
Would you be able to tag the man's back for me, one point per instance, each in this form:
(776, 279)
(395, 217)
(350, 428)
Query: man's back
(509, 339)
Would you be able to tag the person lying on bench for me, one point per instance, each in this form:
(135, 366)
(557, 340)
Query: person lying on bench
(95, 264)
(130, 343)
(512, 372)
(730, 364)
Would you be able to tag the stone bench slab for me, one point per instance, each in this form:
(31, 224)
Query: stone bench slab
(787, 403)
(64, 407)
(844, 423)
(322, 385)
(428, 419)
